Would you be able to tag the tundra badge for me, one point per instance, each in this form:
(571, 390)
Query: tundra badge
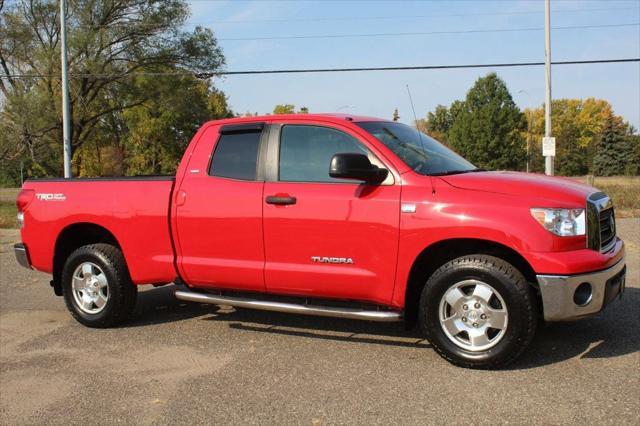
(322, 259)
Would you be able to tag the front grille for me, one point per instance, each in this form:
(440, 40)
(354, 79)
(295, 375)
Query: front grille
(601, 223)
(607, 229)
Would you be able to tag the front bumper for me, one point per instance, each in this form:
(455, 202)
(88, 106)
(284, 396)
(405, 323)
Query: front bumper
(22, 255)
(569, 297)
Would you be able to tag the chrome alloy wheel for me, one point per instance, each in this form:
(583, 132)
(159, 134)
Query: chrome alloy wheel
(90, 290)
(473, 315)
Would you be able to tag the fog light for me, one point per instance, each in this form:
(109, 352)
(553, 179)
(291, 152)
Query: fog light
(583, 294)
(20, 219)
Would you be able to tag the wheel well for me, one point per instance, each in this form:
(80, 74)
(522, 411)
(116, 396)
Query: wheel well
(72, 237)
(437, 254)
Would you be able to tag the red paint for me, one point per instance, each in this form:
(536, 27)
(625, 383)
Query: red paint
(226, 236)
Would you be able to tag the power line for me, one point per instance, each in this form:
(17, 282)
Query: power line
(350, 18)
(375, 18)
(330, 70)
(498, 30)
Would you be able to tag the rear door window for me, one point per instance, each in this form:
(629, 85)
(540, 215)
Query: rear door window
(236, 156)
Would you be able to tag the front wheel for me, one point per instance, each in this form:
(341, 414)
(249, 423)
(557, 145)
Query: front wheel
(478, 312)
(96, 286)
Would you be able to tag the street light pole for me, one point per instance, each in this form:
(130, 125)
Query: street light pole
(548, 161)
(66, 130)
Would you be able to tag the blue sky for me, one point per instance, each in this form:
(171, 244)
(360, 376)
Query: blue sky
(379, 93)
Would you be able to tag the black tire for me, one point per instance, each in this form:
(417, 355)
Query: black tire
(122, 292)
(509, 283)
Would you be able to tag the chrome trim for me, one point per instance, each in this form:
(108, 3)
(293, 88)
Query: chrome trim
(596, 204)
(408, 208)
(351, 313)
(22, 256)
(611, 245)
(601, 201)
(557, 293)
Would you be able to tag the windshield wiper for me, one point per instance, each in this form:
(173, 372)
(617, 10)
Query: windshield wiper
(457, 172)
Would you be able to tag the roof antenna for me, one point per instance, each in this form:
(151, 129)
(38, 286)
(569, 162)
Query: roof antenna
(415, 120)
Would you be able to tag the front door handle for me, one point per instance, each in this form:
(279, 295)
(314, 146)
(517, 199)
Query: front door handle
(280, 200)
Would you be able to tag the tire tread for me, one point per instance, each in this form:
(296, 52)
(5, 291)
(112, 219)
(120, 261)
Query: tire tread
(126, 293)
(520, 285)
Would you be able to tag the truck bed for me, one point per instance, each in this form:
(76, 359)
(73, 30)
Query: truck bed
(134, 210)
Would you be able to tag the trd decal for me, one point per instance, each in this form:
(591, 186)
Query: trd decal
(51, 197)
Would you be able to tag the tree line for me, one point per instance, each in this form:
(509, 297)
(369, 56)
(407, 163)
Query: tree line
(136, 100)
(490, 130)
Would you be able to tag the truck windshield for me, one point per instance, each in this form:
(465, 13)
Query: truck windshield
(422, 153)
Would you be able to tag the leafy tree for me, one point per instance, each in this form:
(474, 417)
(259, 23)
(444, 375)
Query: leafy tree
(576, 124)
(613, 151)
(157, 131)
(395, 116)
(218, 104)
(303, 110)
(109, 41)
(633, 164)
(486, 128)
(438, 122)
(284, 109)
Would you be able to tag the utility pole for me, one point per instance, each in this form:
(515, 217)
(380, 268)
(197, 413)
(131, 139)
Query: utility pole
(548, 143)
(66, 130)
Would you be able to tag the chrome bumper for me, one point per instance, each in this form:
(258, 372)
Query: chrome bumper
(22, 256)
(566, 297)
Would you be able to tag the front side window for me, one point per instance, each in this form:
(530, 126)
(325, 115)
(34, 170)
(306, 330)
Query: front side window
(306, 152)
(236, 156)
(422, 153)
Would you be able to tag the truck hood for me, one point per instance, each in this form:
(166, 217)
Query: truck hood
(523, 184)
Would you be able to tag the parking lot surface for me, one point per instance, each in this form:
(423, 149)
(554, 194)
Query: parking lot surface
(189, 363)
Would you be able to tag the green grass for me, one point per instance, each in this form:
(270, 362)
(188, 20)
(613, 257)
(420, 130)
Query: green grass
(9, 194)
(8, 213)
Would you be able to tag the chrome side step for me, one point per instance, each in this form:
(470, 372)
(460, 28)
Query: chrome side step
(323, 311)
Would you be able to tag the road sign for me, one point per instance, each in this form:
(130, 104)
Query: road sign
(549, 146)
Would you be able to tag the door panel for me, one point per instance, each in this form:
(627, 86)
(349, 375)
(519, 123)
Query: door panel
(219, 218)
(343, 221)
(338, 238)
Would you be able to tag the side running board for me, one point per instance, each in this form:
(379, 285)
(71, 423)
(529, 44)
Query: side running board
(323, 311)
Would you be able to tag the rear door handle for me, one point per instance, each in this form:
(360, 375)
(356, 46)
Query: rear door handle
(280, 200)
(181, 197)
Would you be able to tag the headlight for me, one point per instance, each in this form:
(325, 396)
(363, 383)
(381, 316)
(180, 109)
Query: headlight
(562, 222)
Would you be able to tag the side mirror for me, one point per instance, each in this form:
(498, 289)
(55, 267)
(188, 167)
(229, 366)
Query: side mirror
(356, 166)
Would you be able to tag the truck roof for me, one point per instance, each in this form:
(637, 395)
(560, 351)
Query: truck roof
(335, 117)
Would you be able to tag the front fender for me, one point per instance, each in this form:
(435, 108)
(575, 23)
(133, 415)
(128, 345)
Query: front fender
(448, 213)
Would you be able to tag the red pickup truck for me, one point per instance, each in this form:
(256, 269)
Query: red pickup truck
(339, 216)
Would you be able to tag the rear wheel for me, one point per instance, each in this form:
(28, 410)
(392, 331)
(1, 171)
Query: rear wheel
(96, 286)
(478, 312)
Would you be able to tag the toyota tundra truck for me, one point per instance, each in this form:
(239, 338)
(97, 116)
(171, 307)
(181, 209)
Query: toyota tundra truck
(333, 215)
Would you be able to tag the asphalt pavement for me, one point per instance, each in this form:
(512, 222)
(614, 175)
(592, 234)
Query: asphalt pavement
(181, 363)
